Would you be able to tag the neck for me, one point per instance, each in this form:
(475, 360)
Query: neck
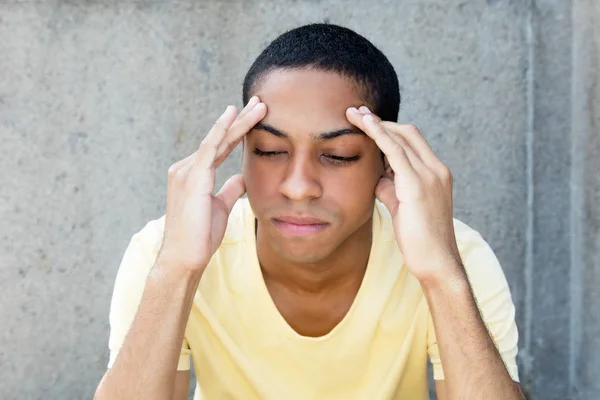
(343, 267)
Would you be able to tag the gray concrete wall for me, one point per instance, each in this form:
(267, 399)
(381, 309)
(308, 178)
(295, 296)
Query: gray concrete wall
(98, 98)
(586, 198)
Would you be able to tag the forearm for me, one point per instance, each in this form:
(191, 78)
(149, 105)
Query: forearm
(146, 365)
(473, 368)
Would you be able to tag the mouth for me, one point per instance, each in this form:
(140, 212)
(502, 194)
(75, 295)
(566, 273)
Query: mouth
(300, 226)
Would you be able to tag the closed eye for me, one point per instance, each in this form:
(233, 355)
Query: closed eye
(332, 159)
(338, 160)
(261, 153)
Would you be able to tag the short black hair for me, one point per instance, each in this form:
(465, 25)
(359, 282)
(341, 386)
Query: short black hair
(332, 48)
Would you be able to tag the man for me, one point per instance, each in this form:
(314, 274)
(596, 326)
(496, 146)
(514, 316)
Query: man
(310, 288)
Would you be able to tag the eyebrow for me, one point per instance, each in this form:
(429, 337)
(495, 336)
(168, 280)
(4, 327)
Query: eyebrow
(322, 136)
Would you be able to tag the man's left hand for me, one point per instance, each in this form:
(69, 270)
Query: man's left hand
(417, 191)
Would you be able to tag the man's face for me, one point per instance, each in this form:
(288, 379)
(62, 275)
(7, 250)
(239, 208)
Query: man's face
(310, 174)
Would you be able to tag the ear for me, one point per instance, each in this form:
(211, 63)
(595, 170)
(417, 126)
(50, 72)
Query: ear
(388, 172)
(243, 151)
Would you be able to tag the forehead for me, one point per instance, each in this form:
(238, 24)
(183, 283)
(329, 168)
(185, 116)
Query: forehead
(308, 100)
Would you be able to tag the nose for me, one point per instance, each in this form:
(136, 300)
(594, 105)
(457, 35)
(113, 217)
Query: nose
(301, 181)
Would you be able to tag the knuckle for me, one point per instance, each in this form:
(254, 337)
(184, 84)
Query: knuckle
(399, 149)
(216, 128)
(446, 174)
(398, 145)
(172, 172)
(208, 144)
(218, 124)
(430, 178)
(229, 145)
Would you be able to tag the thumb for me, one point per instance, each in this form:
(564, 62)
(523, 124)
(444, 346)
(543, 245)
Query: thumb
(386, 193)
(231, 191)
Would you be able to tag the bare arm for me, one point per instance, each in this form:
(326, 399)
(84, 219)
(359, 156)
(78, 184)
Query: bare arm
(473, 368)
(182, 385)
(195, 223)
(417, 190)
(153, 344)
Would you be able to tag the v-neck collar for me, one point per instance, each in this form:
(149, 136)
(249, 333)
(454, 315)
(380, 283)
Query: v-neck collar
(265, 302)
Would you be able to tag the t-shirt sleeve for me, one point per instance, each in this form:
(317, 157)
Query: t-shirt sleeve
(493, 297)
(135, 265)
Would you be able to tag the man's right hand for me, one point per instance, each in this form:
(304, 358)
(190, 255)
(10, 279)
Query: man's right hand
(196, 219)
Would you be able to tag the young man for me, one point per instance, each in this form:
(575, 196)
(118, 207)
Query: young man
(310, 288)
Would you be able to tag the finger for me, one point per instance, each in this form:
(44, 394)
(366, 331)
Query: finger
(179, 165)
(188, 165)
(238, 130)
(231, 191)
(413, 155)
(417, 142)
(396, 154)
(254, 100)
(206, 154)
(177, 176)
(385, 191)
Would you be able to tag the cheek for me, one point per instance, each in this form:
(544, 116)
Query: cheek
(260, 179)
(353, 196)
(354, 185)
(358, 184)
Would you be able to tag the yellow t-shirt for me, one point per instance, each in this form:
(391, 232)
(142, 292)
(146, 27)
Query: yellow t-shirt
(242, 348)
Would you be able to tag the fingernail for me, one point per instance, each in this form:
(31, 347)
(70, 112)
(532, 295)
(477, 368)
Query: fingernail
(365, 110)
(353, 109)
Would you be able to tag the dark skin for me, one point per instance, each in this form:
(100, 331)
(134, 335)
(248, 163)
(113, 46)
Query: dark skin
(289, 169)
(313, 271)
(312, 279)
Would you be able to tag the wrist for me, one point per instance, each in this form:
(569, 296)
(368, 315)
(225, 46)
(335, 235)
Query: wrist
(174, 275)
(451, 278)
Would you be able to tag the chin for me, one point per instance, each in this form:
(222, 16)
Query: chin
(304, 258)
(302, 253)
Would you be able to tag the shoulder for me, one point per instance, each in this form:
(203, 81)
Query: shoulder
(149, 238)
(145, 244)
(467, 238)
(480, 262)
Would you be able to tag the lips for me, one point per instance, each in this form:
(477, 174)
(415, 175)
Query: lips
(299, 226)
(301, 220)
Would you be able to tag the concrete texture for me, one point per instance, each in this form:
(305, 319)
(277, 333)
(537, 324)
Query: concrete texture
(98, 98)
(586, 194)
(546, 329)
